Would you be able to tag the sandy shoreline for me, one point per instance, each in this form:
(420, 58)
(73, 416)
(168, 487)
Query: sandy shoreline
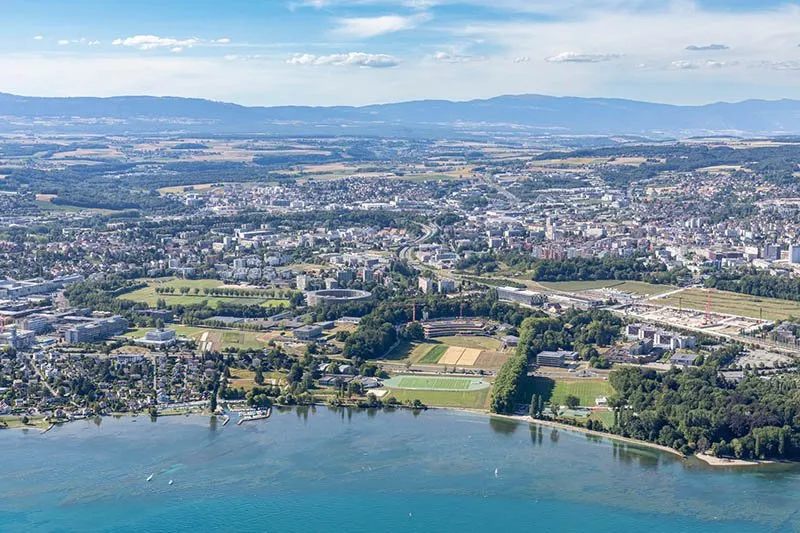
(724, 461)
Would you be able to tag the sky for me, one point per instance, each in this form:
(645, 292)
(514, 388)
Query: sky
(355, 52)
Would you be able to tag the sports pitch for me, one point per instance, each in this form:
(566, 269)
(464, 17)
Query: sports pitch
(436, 383)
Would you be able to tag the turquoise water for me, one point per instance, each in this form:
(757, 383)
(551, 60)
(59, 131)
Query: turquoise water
(352, 471)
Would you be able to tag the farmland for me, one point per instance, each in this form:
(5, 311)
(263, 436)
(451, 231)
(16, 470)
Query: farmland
(732, 303)
(433, 354)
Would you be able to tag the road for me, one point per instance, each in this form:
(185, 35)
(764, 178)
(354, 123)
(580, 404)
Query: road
(407, 253)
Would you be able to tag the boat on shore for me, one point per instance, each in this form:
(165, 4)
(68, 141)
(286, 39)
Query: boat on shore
(257, 415)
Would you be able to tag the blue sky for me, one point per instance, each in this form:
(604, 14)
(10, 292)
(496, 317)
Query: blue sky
(330, 52)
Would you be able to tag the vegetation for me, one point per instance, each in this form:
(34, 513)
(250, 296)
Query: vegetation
(512, 385)
(697, 410)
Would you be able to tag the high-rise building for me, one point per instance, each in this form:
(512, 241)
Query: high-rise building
(302, 282)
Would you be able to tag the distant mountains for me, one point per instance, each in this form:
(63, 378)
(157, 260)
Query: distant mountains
(532, 115)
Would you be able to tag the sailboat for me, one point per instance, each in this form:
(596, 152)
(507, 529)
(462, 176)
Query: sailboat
(150, 477)
(171, 482)
(496, 472)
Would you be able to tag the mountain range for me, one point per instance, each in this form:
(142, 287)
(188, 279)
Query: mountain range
(533, 115)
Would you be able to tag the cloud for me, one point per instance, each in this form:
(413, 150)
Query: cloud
(224, 40)
(522, 59)
(575, 57)
(38, 38)
(455, 57)
(149, 42)
(63, 42)
(697, 65)
(356, 59)
(707, 47)
(366, 27)
(778, 65)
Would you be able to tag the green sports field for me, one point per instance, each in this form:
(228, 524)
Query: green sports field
(434, 383)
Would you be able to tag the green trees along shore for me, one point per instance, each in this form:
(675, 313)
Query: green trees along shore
(690, 410)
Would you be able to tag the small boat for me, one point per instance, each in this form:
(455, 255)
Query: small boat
(496, 472)
(150, 477)
(171, 482)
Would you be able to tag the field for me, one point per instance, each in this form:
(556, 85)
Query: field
(219, 339)
(464, 399)
(482, 343)
(245, 379)
(434, 383)
(557, 391)
(732, 303)
(433, 354)
(149, 295)
(634, 287)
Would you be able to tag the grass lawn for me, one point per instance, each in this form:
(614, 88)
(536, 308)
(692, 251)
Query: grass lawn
(732, 303)
(557, 391)
(434, 383)
(465, 399)
(149, 295)
(434, 354)
(635, 287)
(244, 379)
(480, 343)
(224, 338)
(606, 417)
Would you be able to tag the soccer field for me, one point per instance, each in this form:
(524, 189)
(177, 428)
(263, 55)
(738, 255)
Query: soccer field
(434, 383)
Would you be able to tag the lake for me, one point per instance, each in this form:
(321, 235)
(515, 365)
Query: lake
(322, 469)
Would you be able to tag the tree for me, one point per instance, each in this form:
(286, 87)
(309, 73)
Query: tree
(572, 401)
(533, 409)
(259, 377)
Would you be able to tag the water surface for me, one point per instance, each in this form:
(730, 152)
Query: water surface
(346, 470)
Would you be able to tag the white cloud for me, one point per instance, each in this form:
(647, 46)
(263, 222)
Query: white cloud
(366, 27)
(224, 40)
(63, 42)
(707, 47)
(149, 42)
(522, 59)
(357, 59)
(38, 38)
(575, 57)
(455, 57)
(93, 43)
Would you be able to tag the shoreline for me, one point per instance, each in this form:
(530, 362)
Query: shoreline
(708, 460)
(576, 429)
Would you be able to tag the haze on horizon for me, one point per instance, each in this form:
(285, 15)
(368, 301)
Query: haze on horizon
(355, 52)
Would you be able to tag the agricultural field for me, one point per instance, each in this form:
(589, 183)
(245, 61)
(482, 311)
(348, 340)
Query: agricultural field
(557, 390)
(195, 295)
(633, 287)
(731, 303)
(482, 343)
(433, 355)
